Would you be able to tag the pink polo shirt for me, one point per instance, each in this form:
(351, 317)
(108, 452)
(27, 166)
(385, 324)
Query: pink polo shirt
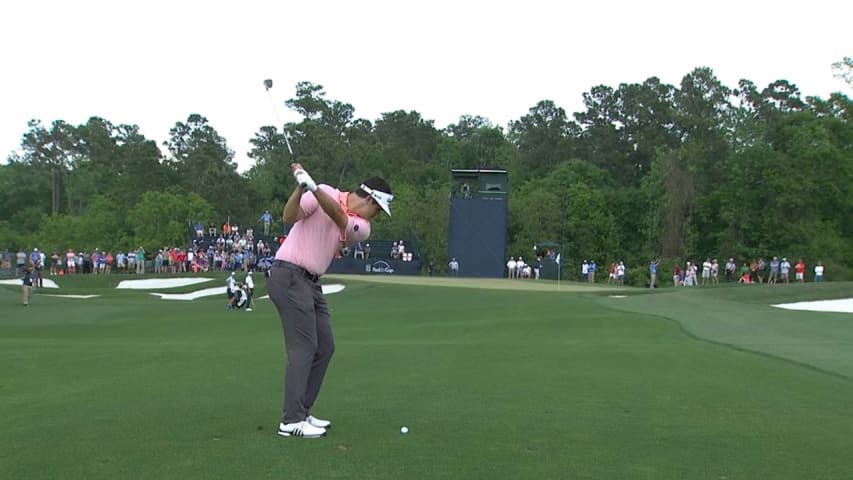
(314, 241)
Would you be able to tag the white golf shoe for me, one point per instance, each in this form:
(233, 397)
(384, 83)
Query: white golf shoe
(300, 429)
(318, 422)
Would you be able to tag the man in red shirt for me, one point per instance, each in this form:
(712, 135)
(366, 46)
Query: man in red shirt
(800, 268)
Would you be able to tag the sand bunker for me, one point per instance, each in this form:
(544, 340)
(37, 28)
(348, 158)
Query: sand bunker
(844, 305)
(209, 292)
(152, 283)
(47, 283)
(71, 296)
(327, 289)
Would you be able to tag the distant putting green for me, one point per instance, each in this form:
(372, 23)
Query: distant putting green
(493, 378)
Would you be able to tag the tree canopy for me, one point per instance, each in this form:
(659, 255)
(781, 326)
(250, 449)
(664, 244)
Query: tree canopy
(686, 171)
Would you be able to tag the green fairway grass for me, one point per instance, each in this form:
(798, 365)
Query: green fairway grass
(492, 383)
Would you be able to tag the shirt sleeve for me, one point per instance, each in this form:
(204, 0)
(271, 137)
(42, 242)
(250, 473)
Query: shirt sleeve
(358, 230)
(308, 203)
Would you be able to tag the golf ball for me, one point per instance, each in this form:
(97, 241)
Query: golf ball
(404, 429)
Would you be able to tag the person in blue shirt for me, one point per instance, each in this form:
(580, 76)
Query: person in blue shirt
(774, 270)
(653, 273)
(267, 219)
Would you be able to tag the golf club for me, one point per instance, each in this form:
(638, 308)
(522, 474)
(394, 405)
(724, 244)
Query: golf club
(268, 85)
(300, 175)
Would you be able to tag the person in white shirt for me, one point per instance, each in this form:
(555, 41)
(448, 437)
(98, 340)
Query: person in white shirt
(688, 275)
(706, 271)
(230, 286)
(693, 271)
(250, 291)
(715, 272)
(818, 272)
(785, 270)
(510, 267)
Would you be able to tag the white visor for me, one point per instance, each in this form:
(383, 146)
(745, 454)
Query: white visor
(382, 198)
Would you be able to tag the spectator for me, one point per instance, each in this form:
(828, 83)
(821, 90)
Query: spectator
(620, 273)
(70, 261)
(54, 263)
(120, 261)
(753, 271)
(358, 251)
(653, 273)
(774, 271)
(744, 273)
(706, 271)
(37, 272)
(762, 266)
(211, 230)
(267, 219)
(715, 272)
(103, 262)
(140, 260)
(731, 268)
(366, 251)
(785, 270)
(510, 267)
(454, 267)
(26, 285)
(818, 272)
(800, 268)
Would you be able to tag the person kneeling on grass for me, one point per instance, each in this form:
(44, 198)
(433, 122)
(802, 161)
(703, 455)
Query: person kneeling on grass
(239, 299)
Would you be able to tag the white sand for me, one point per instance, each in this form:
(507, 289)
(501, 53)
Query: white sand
(48, 283)
(72, 296)
(327, 289)
(152, 283)
(844, 305)
(207, 292)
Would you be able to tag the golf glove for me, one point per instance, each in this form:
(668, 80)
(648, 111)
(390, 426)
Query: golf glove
(304, 180)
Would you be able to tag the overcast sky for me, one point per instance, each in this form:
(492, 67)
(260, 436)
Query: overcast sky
(153, 63)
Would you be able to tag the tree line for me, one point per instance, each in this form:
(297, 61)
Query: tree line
(646, 170)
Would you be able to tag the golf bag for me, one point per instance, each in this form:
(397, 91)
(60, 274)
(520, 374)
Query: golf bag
(240, 298)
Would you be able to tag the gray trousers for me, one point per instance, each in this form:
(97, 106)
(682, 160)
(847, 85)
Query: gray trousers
(308, 338)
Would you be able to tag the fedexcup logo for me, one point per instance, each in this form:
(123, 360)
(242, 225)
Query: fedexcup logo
(379, 267)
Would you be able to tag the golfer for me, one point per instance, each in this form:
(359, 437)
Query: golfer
(324, 219)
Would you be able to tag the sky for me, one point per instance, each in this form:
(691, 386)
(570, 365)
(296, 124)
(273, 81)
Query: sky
(154, 63)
